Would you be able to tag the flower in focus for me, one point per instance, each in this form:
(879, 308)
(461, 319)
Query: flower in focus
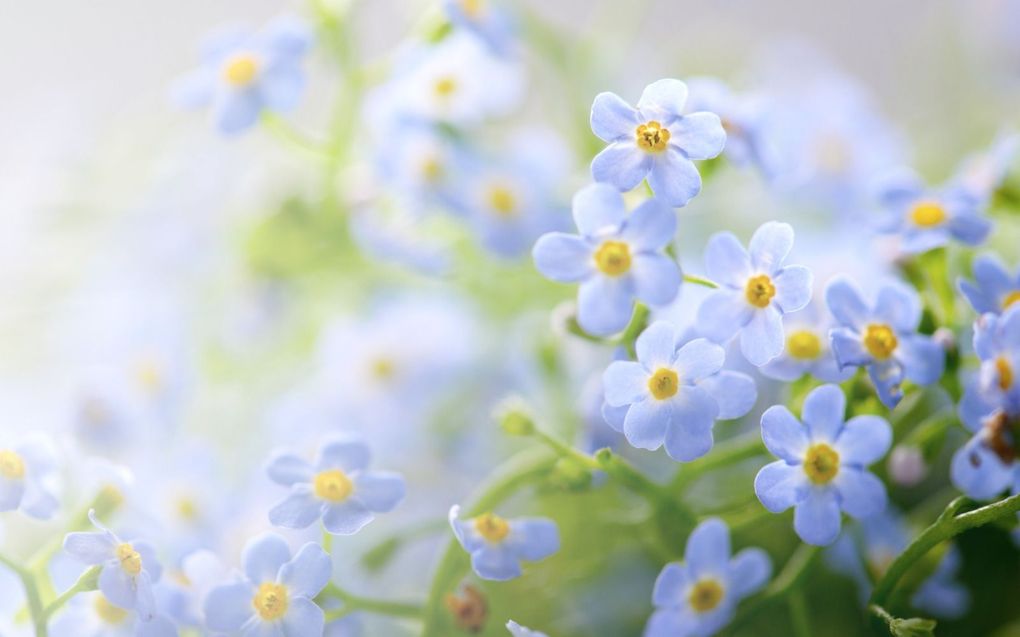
(489, 21)
(336, 488)
(883, 337)
(244, 74)
(925, 219)
(669, 398)
(520, 631)
(821, 466)
(699, 596)
(274, 595)
(92, 614)
(129, 569)
(994, 289)
(807, 349)
(617, 257)
(755, 290)
(655, 140)
(497, 545)
(27, 469)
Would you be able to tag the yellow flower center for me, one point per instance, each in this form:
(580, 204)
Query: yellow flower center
(270, 601)
(821, 463)
(432, 169)
(445, 86)
(613, 258)
(333, 485)
(129, 559)
(760, 290)
(187, 508)
(472, 8)
(664, 383)
(383, 369)
(880, 341)
(150, 376)
(108, 612)
(241, 70)
(804, 345)
(502, 200)
(927, 214)
(652, 136)
(705, 595)
(1005, 372)
(1010, 299)
(492, 527)
(12, 466)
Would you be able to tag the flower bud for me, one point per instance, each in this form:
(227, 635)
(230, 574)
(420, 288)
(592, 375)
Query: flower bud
(907, 466)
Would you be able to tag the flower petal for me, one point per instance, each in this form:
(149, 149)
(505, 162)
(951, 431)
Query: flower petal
(762, 338)
(621, 164)
(646, 422)
(816, 519)
(769, 246)
(699, 135)
(562, 257)
(346, 518)
(723, 313)
(263, 556)
(670, 585)
(899, 307)
(823, 412)
(229, 606)
(495, 562)
(674, 178)
(625, 382)
(90, 548)
(663, 101)
(308, 572)
(689, 432)
(784, 436)
(863, 440)
(379, 491)
(708, 548)
(656, 345)
(598, 209)
(845, 303)
(651, 226)
(726, 260)
(287, 468)
(656, 278)
(793, 288)
(346, 454)
(303, 617)
(298, 510)
(749, 570)
(978, 472)
(605, 305)
(861, 493)
(923, 359)
(780, 486)
(734, 392)
(533, 539)
(698, 359)
(612, 118)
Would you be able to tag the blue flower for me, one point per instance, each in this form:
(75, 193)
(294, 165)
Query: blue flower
(128, 568)
(274, 595)
(617, 257)
(699, 596)
(883, 337)
(822, 464)
(92, 614)
(994, 288)
(941, 594)
(755, 290)
(491, 23)
(26, 472)
(337, 488)
(656, 140)
(807, 348)
(244, 74)
(981, 174)
(926, 219)
(743, 118)
(674, 393)
(497, 545)
(520, 631)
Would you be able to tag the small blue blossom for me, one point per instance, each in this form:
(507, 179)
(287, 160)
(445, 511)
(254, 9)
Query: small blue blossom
(674, 393)
(497, 545)
(93, 615)
(337, 488)
(981, 174)
(520, 631)
(244, 74)
(617, 257)
(743, 117)
(925, 219)
(655, 140)
(274, 595)
(994, 288)
(489, 21)
(883, 337)
(699, 596)
(822, 464)
(807, 348)
(129, 569)
(942, 595)
(26, 472)
(755, 290)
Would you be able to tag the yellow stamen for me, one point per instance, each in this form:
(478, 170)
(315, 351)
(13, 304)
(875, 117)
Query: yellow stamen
(705, 595)
(492, 527)
(1010, 299)
(108, 612)
(445, 86)
(150, 375)
(12, 466)
(664, 383)
(241, 70)
(187, 508)
(432, 169)
(472, 8)
(652, 136)
(1005, 372)
(333, 485)
(927, 214)
(502, 200)
(804, 345)
(613, 258)
(880, 341)
(270, 601)
(130, 560)
(383, 368)
(821, 463)
(760, 290)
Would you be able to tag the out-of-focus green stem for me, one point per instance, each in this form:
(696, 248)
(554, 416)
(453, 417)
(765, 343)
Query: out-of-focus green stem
(284, 131)
(35, 607)
(700, 280)
(799, 614)
(354, 603)
(638, 323)
(89, 581)
(724, 454)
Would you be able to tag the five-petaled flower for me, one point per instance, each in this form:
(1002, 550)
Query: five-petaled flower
(821, 466)
(26, 468)
(498, 545)
(807, 348)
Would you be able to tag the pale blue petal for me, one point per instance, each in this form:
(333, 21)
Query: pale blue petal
(670, 585)
(646, 422)
(749, 570)
(90, 548)
(118, 586)
(899, 307)
(923, 359)
(150, 561)
(780, 486)
(308, 572)
(726, 260)
(974, 407)
(379, 491)
(848, 348)
(157, 627)
(145, 599)
(663, 101)
(673, 177)
(762, 338)
(784, 436)
(598, 209)
(615, 416)
(734, 392)
(769, 245)
(793, 288)
(303, 617)
(495, 562)
(723, 313)
(287, 468)
(845, 303)
(887, 376)
(229, 606)
(863, 440)
(625, 382)
(656, 346)
(699, 359)
(861, 493)
(656, 278)
(263, 556)
(650, 226)
(533, 539)
(605, 305)
(978, 472)
(816, 519)
(346, 518)
(823, 412)
(612, 118)
(708, 549)
(236, 111)
(281, 86)
(37, 502)
(562, 257)
(699, 135)
(344, 454)
(11, 491)
(621, 164)
(670, 622)
(298, 510)
(689, 433)
(971, 229)
(256, 627)
(288, 36)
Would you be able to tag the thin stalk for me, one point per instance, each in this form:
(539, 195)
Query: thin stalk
(34, 602)
(700, 280)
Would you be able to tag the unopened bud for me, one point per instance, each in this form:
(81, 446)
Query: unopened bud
(571, 474)
(514, 418)
(907, 466)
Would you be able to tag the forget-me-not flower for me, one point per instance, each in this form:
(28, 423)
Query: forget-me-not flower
(92, 615)
(669, 401)
(498, 545)
(822, 464)
(755, 290)
(129, 569)
(489, 21)
(520, 631)
(699, 596)
(26, 472)
(656, 140)
(244, 74)
(995, 288)
(743, 118)
(883, 337)
(807, 348)
(337, 488)
(617, 257)
(274, 596)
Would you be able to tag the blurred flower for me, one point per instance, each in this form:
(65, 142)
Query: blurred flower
(883, 337)
(743, 119)
(699, 596)
(755, 290)
(244, 74)
(93, 615)
(822, 464)
(520, 631)
(906, 465)
(616, 258)
(994, 288)
(981, 174)
(656, 140)
(27, 471)
(488, 20)
(807, 348)
(941, 594)
(498, 545)
(337, 488)
(183, 593)
(925, 219)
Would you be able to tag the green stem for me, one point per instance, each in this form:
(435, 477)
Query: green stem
(945, 527)
(89, 581)
(284, 131)
(638, 322)
(725, 453)
(354, 603)
(35, 607)
(699, 280)
(798, 614)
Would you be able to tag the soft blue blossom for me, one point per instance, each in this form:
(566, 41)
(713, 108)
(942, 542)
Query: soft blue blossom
(942, 594)
(498, 545)
(883, 337)
(743, 117)
(274, 595)
(981, 174)
(27, 471)
(336, 488)
(674, 393)
(617, 257)
(244, 74)
(656, 140)
(807, 349)
(489, 21)
(994, 289)
(129, 569)
(822, 464)
(924, 219)
(755, 290)
(699, 596)
(92, 615)
(520, 631)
